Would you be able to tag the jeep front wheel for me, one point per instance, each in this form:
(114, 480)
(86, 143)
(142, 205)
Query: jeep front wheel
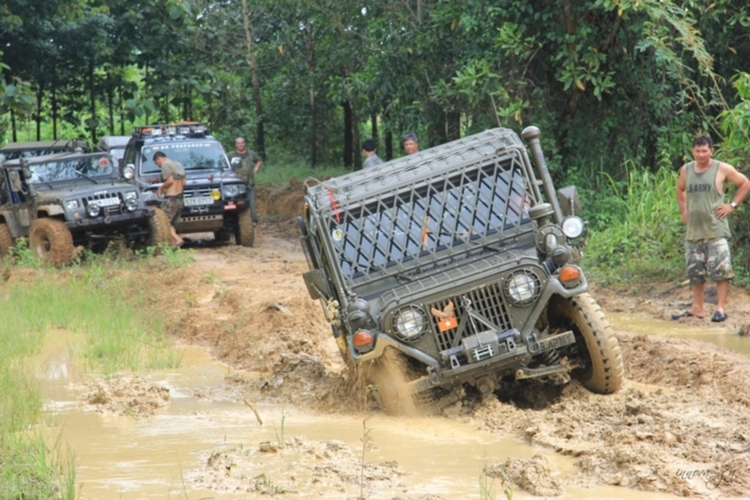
(51, 241)
(245, 233)
(159, 229)
(604, 371)
(6, 241)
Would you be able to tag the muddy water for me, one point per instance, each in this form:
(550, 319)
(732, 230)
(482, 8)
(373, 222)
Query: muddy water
(723, 336)
(126, 458)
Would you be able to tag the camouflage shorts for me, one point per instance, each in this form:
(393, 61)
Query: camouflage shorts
(708, 258)
(172, 206)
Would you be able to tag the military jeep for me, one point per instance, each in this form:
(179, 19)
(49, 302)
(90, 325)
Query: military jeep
(215, 198)
(455, 266)
(68, 200)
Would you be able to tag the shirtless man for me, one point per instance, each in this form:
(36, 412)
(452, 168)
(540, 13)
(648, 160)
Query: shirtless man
(173, 177)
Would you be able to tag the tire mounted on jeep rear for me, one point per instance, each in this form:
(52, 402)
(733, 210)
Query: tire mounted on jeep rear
(605, 370)
(245, 233)
(51, 241)
(159, 231)
(6, 240)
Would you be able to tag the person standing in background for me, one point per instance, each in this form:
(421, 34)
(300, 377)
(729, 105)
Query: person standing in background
(410, 142)
(246, 164)
(369, 150)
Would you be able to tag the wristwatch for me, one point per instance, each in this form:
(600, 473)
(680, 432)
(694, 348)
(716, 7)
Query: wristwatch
(733, 205)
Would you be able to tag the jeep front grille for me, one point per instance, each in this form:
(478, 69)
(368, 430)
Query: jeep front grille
(486, 300)
(110, 203)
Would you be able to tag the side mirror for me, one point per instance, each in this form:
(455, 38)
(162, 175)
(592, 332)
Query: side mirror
(569, 200)
(316, 284)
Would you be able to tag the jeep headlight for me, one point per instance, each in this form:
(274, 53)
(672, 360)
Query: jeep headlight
(410, 323)
(573, 227)
(131, 202)
(71, 204)
(522, 287)
(93, 210)
(129, 171)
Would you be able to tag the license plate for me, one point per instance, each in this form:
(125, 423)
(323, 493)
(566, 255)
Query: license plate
(198, 200)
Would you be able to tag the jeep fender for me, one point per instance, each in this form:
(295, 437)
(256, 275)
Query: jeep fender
(50, 210)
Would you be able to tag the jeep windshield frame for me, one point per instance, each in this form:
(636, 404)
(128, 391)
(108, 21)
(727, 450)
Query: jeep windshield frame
(69, 167)
(194, 154)
(411, 216)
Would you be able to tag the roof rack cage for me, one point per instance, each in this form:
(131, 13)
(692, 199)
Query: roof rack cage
(189, 129)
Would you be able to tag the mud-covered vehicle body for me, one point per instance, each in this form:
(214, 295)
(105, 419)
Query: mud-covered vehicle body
(68, 200)
(461, 261)
(114, 145)
(215, 198)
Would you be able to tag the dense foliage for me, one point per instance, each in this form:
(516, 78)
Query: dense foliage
(618, 87)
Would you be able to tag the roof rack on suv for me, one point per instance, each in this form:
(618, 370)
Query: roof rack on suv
(187, 129)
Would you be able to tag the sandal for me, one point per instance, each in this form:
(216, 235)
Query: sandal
(719, 316)
(686, 314)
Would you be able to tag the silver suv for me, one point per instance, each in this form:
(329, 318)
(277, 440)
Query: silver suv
(457, 265)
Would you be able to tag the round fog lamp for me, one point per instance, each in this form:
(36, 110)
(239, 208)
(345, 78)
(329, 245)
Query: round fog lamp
(93, 210)
(410, 323)
(573, 227)
(131, 204)
(216, 194)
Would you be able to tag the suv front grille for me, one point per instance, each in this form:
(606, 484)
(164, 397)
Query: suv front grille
(111, 203)
(487, 301)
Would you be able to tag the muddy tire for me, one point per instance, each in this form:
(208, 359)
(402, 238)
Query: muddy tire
(388, 374)
(51, 241)
(6, 241)
(159, 229)
(245, 233)
(605, 371)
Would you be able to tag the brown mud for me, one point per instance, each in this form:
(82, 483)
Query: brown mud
(680, 424)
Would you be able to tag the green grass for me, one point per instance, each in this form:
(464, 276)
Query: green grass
(279, 171)
(646, 242)
(116, 329)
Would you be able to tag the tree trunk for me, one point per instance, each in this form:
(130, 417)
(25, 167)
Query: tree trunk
(260, 139)
(111, 109)
(122, 111)
(92, 101)
(374, 126)
(54, 113)
(454, 125)
(348, 157)
(13, 124)
(38, 114)
(313, 112)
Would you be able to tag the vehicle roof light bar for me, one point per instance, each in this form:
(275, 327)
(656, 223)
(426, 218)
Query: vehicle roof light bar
(189, 129)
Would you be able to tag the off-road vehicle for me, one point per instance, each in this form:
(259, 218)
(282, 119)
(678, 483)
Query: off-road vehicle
(215, 198)
(63, 201)
(461, 263)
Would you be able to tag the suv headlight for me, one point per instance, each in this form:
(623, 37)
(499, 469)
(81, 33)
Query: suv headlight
(410, 323)
(522, 287)
(131, 200)
(233, 190)
(573, 227)
(71, 204)
(128, 172)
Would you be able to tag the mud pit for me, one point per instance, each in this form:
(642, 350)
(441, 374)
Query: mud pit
(680, 425)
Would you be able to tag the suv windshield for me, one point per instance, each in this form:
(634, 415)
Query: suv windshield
(65, 169)
(193, 155)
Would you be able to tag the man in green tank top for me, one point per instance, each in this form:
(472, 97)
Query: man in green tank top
(700, 196)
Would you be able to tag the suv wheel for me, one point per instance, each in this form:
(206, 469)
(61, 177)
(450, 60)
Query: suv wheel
(605, 370)
(159, 230)
(6, 240)
(51, 241)
(245, 234)
(389, 373)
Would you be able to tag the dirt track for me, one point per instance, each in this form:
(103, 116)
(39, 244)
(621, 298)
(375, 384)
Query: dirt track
(681, 424)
